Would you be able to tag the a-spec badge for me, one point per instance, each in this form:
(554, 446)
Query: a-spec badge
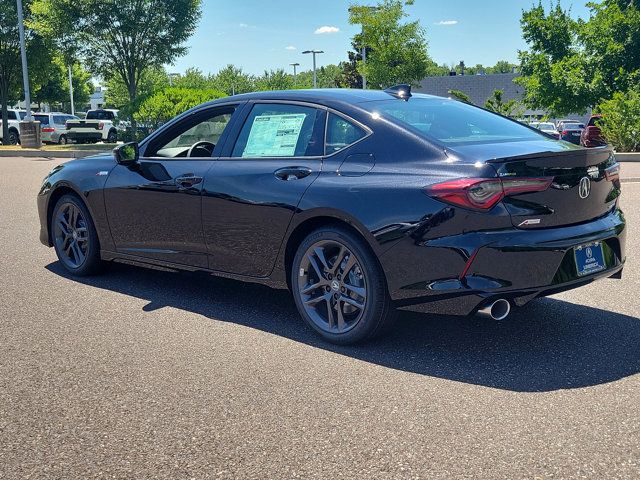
(529, 221)
(593, 171)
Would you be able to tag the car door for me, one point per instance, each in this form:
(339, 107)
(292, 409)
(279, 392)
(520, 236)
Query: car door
(154, 206)
(253, 189)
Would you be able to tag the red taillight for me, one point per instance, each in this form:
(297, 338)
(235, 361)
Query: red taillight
(101, 125)
(484, 193)
(48, 129)
(612, 173)
(565, 132)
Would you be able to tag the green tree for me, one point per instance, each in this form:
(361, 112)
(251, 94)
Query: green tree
(192, 78)
(39, 54)
(274, 80)
(398, 51)
(232, 80)
(620, 124)
(164, 105)
(510, 108)
(152, 80)
(573, 65)
(123, 39)
(460, 95)
(502, 66)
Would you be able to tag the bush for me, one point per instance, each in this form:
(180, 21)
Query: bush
(621, 120)
(164, 105)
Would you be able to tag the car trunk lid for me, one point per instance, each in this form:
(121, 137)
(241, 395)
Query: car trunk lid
(584, 183)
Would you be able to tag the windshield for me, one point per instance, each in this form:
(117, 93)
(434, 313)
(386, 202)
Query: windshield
(546, 126)
(452, 122)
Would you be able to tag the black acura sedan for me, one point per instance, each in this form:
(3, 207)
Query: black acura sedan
(360, 202)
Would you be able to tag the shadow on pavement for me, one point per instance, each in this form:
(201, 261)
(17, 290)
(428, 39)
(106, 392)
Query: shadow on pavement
(548, 345)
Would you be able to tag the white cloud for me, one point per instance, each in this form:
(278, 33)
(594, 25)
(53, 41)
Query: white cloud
(447, 23)
(290, 47)
(243, 25)
(326, 29)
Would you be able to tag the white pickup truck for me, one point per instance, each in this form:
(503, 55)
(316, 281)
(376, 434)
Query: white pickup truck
(98, 125)
(14, 118)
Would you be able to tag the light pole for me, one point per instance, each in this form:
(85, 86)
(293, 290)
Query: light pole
(25, 70)
(314, 52)
(73, 110)
(171, 75)
(295, 75)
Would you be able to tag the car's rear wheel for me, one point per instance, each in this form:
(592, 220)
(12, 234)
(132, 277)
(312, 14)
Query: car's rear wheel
(13, 138)
(112, 137)
(339, 286)
(75, 238)
(62, 140)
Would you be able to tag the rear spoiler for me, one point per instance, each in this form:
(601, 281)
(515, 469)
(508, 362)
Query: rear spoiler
(580, 156)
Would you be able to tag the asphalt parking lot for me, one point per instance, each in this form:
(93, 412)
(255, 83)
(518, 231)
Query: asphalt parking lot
(151, 374)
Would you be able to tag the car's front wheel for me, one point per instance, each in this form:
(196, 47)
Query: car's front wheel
(339, 286)
(75, 238)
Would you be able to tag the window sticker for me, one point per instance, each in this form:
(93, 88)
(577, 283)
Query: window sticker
(274, 135)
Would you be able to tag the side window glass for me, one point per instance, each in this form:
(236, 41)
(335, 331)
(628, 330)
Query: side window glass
(58, 119)
(279, 130)
(341, 133)
(197, 138)
(11, 115)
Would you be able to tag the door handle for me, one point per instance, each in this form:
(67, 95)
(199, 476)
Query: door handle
(292, 173)
(187, 180)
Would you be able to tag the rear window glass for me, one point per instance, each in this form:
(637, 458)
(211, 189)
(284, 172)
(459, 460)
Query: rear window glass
(43, 119)
(341, 133)
(100, 115)
(451, 122)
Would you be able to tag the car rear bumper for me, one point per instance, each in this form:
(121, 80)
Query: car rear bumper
(91, 135)
(457, 275)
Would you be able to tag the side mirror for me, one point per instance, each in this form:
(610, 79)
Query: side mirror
(126, 154)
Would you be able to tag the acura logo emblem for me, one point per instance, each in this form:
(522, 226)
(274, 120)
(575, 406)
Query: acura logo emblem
(584, 188)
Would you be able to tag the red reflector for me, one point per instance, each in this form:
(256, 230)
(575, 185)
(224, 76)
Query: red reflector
(484, 193)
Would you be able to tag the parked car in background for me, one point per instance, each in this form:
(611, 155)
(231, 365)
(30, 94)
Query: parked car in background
(547, 127)
(14, 118)
(562, 124)
(571, 133)
(53, 126)
(98, 125)
(592, 135)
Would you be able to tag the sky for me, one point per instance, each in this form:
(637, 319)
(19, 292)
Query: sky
(262, 35)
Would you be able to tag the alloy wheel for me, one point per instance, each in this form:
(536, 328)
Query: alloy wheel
(332, 286)
(71, 235)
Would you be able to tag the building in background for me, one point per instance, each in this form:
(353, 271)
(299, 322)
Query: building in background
(481, 87)
(96, 99)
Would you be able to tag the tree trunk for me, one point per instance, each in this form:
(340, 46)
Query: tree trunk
(4, 99)
(133, 93)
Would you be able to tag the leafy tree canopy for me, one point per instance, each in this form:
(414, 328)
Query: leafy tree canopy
(397, 50)
(574, 64)
(122, 39)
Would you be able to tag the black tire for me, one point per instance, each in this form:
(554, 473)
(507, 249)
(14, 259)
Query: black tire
(62, 140)
(360, 300)
(75, 238)
(112, 137)
(13, 138)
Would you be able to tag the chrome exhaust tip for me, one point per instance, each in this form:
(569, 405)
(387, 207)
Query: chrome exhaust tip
(497, 310)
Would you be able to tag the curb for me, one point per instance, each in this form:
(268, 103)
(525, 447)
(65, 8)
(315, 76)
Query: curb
(628, 157)
(47, 153)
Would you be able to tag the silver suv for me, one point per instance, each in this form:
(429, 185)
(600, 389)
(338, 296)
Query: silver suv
(52, 126)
